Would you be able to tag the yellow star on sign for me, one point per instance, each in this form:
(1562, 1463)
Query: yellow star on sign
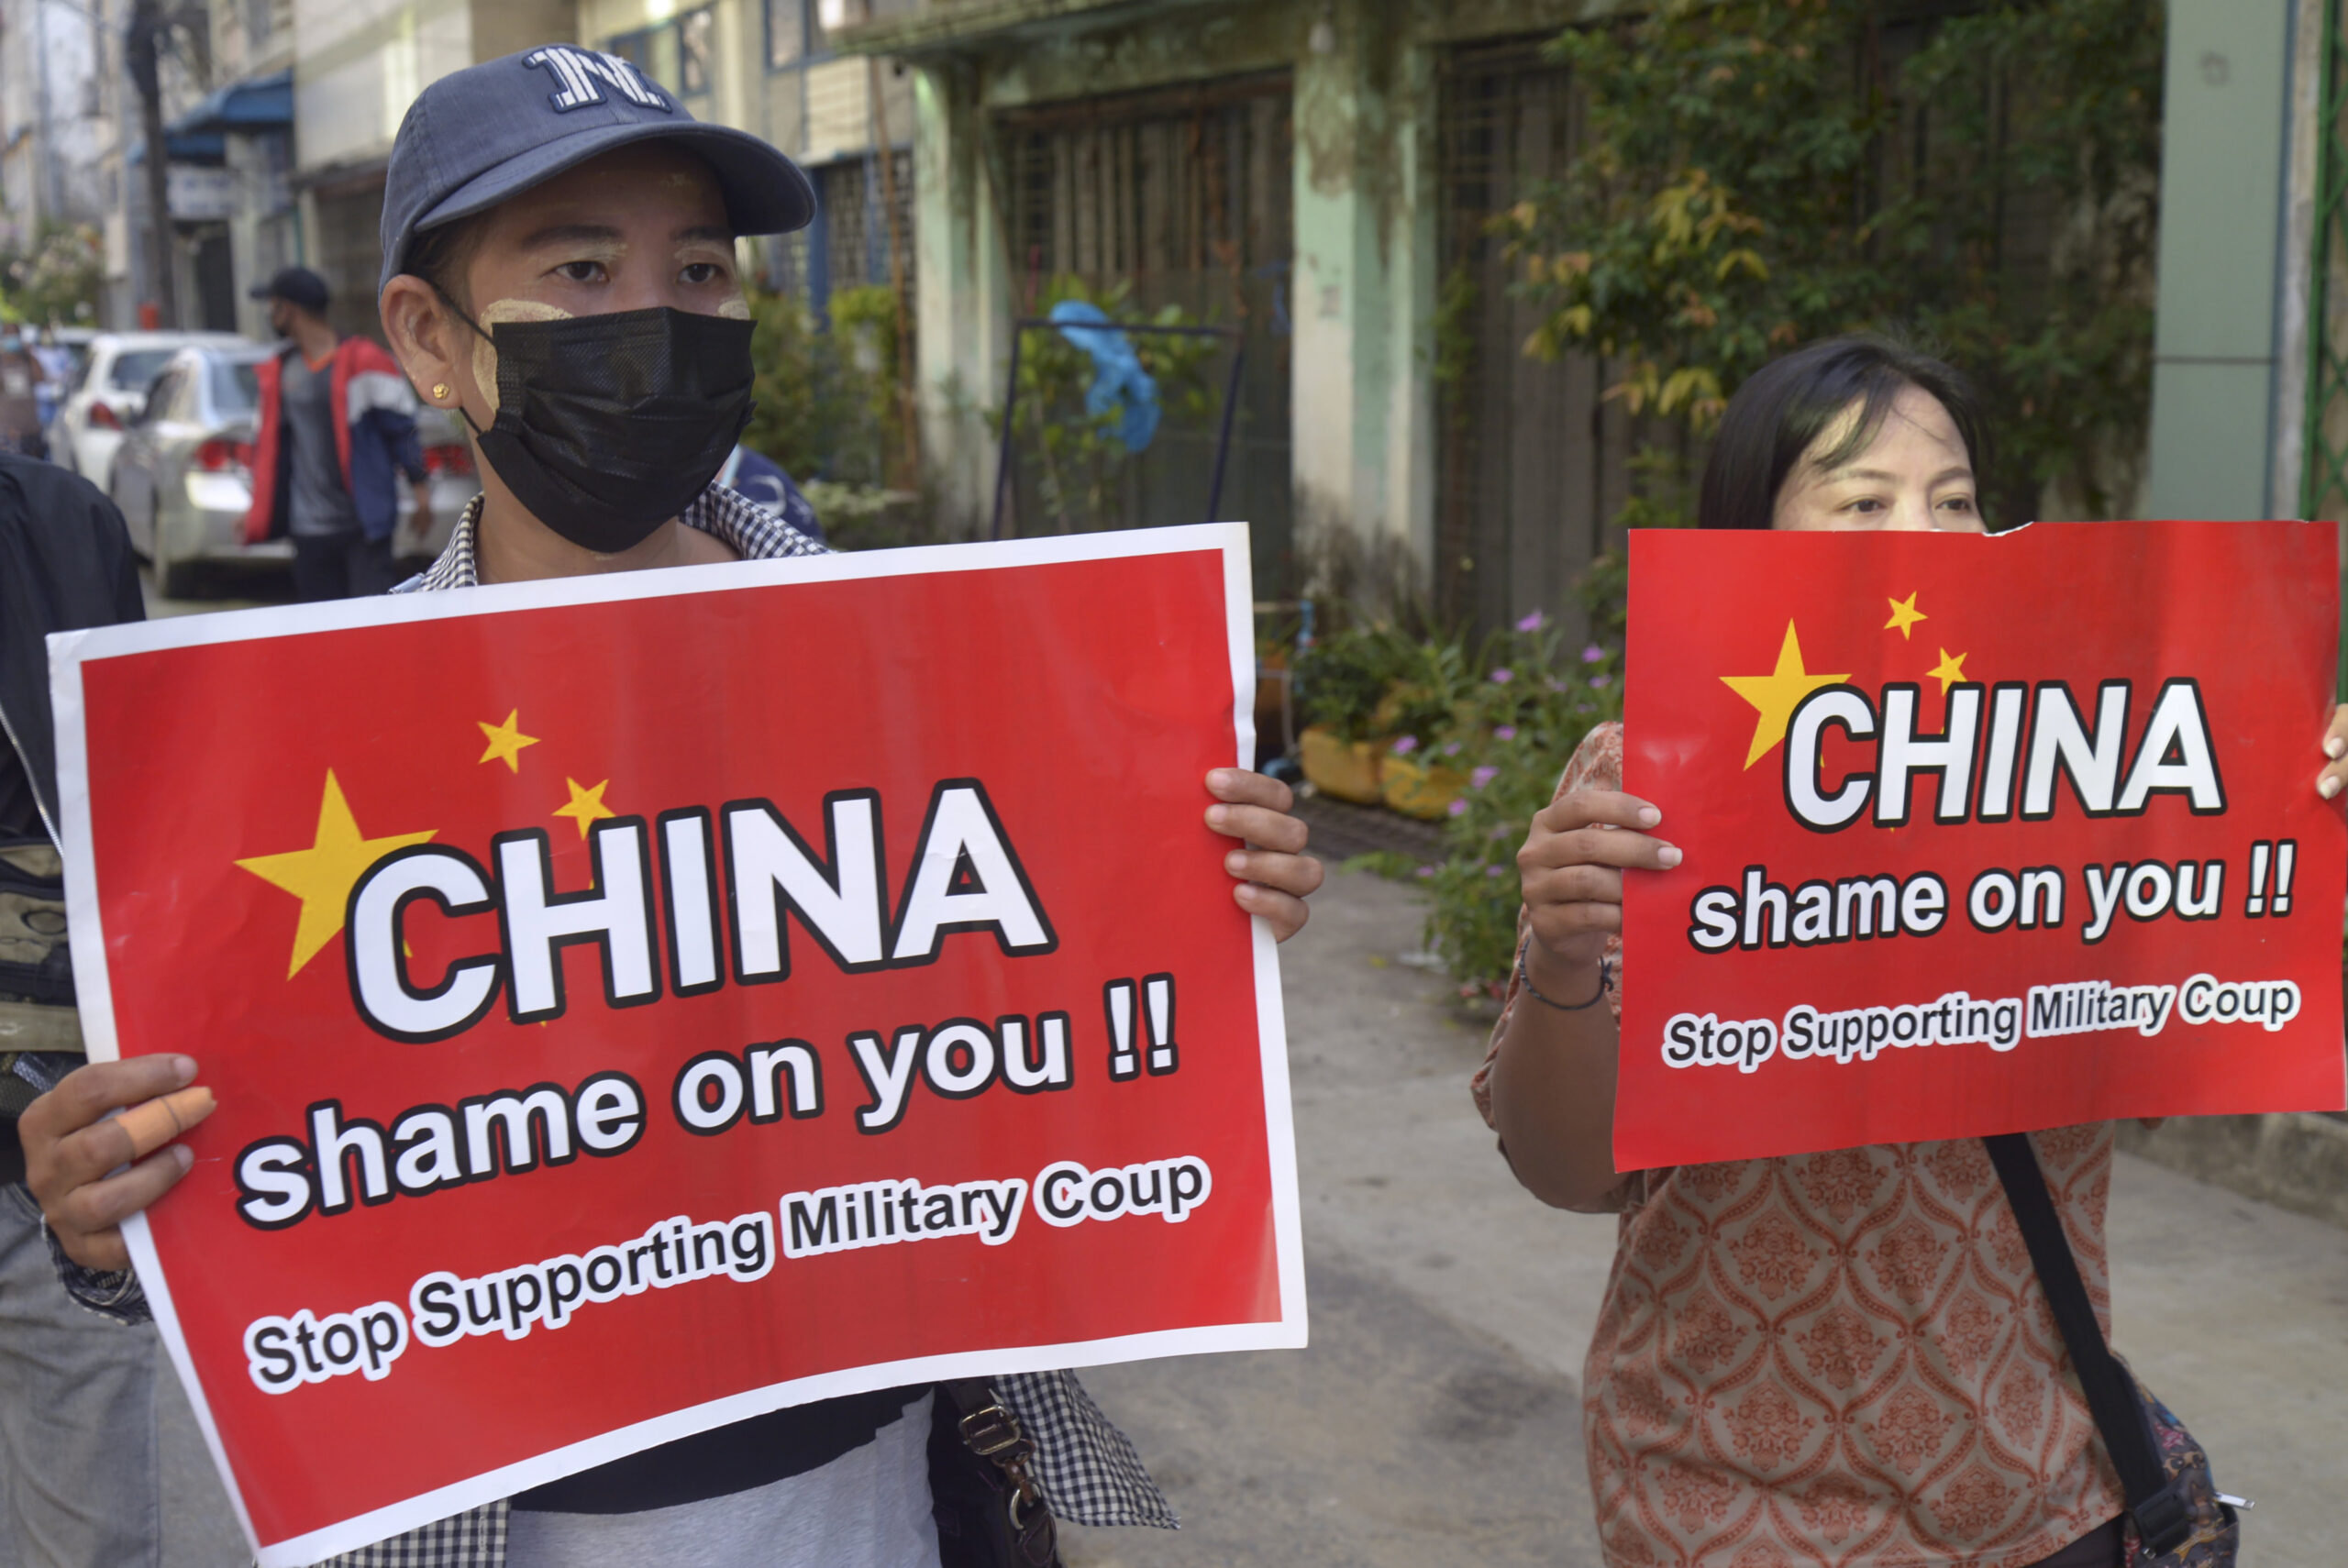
(505, 741)
(1949, 671)
(1904, 616)
(586, 805)
(1774, 695)
(323, 875)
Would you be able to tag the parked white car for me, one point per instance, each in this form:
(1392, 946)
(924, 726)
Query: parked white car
(109, 391)
(183, 476)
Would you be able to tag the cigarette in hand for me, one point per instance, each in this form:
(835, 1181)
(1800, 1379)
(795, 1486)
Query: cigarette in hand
(155, 1123)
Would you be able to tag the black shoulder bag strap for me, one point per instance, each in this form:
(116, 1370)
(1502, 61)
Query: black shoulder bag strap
(2157, 1504)
(992, 1512)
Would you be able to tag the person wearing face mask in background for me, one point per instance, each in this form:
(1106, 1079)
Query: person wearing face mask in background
(559, 244)
(337, 424)
(20, 377)
(1750, 1354)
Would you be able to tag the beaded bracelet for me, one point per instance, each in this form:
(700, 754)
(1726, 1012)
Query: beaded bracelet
(1605, 982)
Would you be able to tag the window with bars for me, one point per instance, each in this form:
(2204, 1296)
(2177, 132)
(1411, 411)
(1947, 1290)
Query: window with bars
(1184, 196)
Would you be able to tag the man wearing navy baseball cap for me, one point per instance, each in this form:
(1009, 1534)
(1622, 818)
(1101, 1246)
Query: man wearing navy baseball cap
(558, 266)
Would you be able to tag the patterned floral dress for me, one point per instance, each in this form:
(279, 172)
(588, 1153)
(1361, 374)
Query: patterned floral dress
(1837, 1359)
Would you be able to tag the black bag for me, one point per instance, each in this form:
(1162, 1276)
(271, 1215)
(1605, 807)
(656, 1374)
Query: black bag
(2179, 1516)
(990, 1511)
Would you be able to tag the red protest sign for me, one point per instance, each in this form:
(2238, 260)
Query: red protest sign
(639, 1003)
(1982, 834)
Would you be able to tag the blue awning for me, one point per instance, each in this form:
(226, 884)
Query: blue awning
(264, 103)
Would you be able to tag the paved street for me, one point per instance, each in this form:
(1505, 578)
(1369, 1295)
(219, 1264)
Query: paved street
(1434, 1418)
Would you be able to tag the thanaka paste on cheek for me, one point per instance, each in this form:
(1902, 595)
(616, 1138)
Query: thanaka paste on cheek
(485, 353)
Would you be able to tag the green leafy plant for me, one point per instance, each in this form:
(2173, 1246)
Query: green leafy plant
(1343, 680)
(825, 400)
(1755, 175)
(1533, 705)
(57, 280)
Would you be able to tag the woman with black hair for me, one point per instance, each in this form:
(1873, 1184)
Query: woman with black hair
(1838, 1358)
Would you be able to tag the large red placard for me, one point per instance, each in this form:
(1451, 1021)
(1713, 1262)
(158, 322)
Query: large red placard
(639, 1003)
(1982, 834)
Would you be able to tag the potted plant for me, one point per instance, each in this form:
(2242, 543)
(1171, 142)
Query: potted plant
(1341, 681)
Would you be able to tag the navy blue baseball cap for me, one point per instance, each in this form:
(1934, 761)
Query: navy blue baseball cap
(479, 135)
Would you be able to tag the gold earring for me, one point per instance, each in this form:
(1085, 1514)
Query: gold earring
(439, 391)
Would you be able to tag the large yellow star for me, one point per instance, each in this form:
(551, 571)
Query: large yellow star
(1774, 695)
(505, 741)
(323, 875)
(586, 805)
(1904, 616)
(1949, 671)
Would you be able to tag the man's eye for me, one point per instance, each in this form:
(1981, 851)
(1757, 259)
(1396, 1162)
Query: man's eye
(1866, 503)
(698, 272)
(581, 272)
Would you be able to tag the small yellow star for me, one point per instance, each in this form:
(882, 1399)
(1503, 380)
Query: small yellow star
(1950, 670)
(505, 741)
(323, 875)
(1776, 695)
(1904, 616)
(586, 804)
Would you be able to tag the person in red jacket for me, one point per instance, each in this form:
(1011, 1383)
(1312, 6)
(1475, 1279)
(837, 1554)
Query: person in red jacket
(337, 424)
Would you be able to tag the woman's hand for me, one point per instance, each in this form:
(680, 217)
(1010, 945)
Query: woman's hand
(74, 1149)
(1571, 866)
(1276, 875)
(2334, 777)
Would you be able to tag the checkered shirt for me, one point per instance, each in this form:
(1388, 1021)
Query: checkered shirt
(1089, 1470)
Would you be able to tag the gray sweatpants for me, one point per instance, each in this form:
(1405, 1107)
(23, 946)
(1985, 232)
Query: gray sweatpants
(82, 1461)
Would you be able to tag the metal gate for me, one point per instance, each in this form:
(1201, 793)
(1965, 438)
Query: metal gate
(1185, 195)
(1532, 462)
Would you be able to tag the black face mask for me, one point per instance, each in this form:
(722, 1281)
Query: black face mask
(609, 425)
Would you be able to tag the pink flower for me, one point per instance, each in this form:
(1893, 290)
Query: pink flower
(1424, 871)
(1491, 870)
(1593, 654)
(1481, 776)
(1599, 683)
(1451, 750)
(1458, 807)
(1505, 732)
(1531, 623)
(1503, 676)
(1406, 745)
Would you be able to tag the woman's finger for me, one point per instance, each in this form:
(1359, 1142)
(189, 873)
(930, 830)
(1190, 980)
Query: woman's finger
(1242, 787)
(1297, 874)
(1585, 808)
(1573, 884)
(1259, 825)
(1284, 912)
(1596, 846)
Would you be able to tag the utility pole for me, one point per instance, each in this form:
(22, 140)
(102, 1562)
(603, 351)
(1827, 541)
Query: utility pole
(142, 49)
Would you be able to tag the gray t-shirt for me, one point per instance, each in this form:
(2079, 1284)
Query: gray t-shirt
(319, 502)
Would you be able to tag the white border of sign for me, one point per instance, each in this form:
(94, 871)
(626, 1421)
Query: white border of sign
(69, 651)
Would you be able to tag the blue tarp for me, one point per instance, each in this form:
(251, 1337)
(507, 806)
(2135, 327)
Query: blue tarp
(1118, 378)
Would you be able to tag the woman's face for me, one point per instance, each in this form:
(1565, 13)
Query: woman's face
(1914, 475)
